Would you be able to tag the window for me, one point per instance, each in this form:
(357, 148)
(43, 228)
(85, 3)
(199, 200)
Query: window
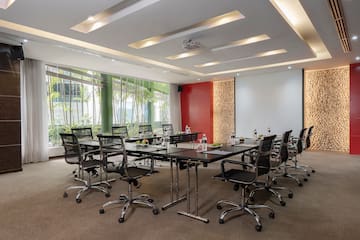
(74, 100)
(137, 101)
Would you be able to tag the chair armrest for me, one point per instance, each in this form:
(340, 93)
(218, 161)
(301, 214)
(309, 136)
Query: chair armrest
(90, 153)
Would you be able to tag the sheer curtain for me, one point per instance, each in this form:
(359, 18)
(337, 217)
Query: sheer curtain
(175, 107)
(34, 112)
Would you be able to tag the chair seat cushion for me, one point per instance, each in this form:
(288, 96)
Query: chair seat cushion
(136, 172)
(238, 176)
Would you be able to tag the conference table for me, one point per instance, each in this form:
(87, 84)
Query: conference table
(192, 159)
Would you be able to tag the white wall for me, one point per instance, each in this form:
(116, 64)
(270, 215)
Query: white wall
(271, 100)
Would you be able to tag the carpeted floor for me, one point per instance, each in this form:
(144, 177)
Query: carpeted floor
(327, 207)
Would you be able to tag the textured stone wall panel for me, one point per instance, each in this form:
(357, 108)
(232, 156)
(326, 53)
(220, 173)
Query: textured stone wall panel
(223, 112)
(327, 107)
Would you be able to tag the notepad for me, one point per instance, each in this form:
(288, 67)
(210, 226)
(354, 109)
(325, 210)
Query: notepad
(218, 152)
(246, 145)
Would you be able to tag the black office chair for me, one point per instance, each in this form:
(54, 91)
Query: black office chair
(111, 146)
(167, 129)
(120, 131)
(281, 155)
(73, 153)
(295, 150)
(246, 174)
(308, 137)
(267, 184)
(145, 129)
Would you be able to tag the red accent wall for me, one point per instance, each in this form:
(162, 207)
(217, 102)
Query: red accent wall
(197, 108)
(355, 108)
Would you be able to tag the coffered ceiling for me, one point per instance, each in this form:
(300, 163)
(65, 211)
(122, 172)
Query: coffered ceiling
(182, 41)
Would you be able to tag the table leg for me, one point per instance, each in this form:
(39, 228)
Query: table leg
(178, 198)
(188, 213)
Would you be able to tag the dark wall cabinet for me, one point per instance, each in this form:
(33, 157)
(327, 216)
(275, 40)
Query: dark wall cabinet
(10, 115)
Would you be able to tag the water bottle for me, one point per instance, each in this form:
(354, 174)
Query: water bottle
(232, 139)
(167, 142)
(187, 129)
(204, 142)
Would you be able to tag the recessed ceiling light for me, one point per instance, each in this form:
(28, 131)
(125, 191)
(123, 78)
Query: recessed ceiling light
(207, 64)
(237, 74)
(91, 18)
(357, 58)
(198, 79)
(289, 67)
(297, 18)
(25, 41)
(258, 55)
(242, 42)
(4, 4)
(120, 10)
(354, 37)
(113, 60)
(197, 27)
(184, 55)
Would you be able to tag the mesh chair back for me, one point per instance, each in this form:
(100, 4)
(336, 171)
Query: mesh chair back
(83, 134)
(300, 140)
(308, 142)
(284, 151)
(168, 129)
(111, 145)
(71, 147)
(263, 158)
(145, 129)
(174, 139)
(120, 131)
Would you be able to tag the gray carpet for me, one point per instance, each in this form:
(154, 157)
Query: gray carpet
(327, 207)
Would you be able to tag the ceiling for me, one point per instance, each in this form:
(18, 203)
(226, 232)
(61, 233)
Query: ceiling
(47, 25)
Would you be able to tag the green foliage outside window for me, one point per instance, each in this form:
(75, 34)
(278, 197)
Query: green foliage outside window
(74, 100)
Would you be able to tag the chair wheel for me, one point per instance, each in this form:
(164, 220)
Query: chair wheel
(313, 171)
(308, 174)
(101, 211)
(282, 203)
(274, 182)
(290, 195)
(109, 187)
(107, 195)
(272, 215)
(252, 199)
(135, 182)
(258, 228)
(65, 195)
(236, 187)
(78, 200)
(219, 207)
(76, 175)
(150, 200)
(305, 179)
(121, 220)
(300, 184)
(221, 221)
(155, 211)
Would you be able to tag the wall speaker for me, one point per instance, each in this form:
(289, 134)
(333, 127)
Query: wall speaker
(17, 53)
(11, 52)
